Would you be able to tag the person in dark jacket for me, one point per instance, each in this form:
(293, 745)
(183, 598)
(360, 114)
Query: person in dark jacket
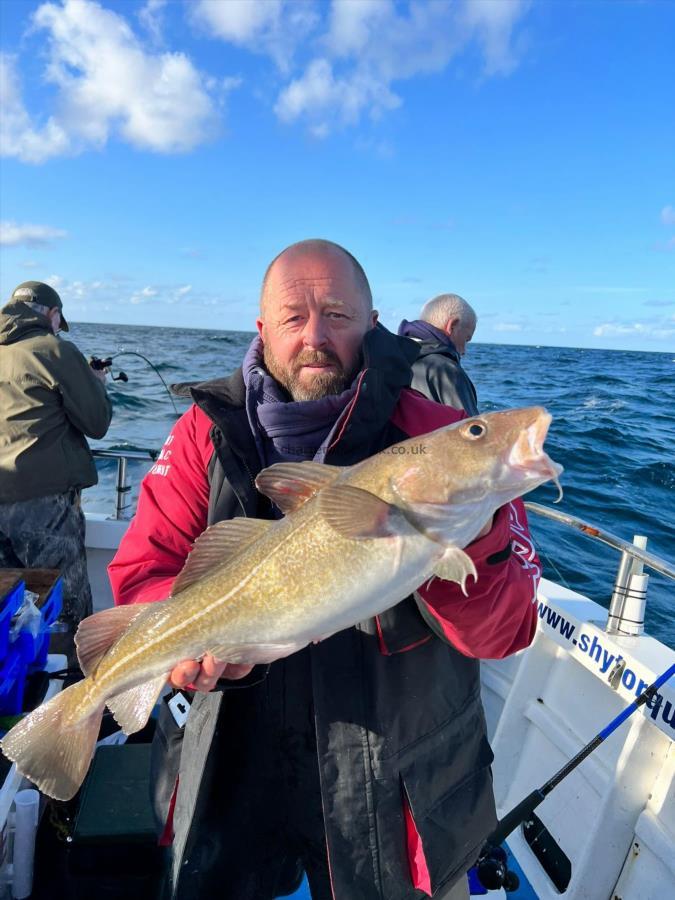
(445, 326)
(362, 760)
(51, 400)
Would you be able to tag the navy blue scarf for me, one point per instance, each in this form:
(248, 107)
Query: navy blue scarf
(287, 430)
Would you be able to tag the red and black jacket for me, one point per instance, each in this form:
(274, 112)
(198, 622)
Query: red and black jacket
(399, 695)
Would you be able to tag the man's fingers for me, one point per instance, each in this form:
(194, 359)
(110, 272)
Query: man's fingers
(209, 673)
(202, 676)
(183, 673)
(212, 667)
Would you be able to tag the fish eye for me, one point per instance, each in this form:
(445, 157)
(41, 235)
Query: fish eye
(475, 430)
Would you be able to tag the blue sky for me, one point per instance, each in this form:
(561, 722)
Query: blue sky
(156, 155)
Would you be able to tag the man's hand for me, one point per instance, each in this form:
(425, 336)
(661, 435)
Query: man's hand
(100, 374)
(202, 676)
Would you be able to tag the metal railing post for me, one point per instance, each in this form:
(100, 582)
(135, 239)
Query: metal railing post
(627, 606)
(123, 489)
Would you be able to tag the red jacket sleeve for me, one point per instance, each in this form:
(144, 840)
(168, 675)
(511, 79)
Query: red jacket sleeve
(171, 514)
(499, 615)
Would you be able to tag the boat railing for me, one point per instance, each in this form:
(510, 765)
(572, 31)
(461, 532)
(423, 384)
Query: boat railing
(123, 486)
(629, 595)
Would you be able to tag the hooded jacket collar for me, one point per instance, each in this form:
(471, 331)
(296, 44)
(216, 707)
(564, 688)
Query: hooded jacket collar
(18, 321)
(432, 339)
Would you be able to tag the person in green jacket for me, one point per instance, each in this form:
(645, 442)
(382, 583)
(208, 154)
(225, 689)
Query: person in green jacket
(51, 400)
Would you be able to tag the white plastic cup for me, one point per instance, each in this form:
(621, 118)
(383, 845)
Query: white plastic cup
(27, 806)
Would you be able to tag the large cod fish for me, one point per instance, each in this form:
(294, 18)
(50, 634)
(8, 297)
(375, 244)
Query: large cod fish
(354, 541)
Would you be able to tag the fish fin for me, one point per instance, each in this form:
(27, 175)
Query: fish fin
(216, 546)
(132, 707)
(98, 633)
(53, 745)
(355, 513)
(289, 485)
(455, 565)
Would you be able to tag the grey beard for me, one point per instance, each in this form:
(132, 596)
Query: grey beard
(322, 385)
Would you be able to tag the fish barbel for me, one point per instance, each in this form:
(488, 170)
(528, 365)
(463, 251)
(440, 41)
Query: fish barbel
(353, 542)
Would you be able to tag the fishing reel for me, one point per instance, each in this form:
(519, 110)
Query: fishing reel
(492, 871)
(104, 365)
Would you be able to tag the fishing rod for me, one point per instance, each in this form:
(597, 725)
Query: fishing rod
(105, 364)
(491, 867)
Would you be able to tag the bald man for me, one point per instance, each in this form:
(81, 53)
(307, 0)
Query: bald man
(362, 760)
(446, 325)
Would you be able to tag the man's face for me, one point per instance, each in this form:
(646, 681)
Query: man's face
(461, 333)
(312, 324)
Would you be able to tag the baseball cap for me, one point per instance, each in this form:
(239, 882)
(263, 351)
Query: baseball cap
(39, 292)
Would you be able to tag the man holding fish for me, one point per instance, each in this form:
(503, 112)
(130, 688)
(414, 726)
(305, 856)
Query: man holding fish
(328, 621)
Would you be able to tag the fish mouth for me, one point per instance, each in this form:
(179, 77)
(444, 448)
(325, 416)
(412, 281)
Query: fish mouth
(528, 452)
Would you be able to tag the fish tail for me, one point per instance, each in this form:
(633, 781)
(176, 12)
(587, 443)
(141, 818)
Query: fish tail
(53, 745)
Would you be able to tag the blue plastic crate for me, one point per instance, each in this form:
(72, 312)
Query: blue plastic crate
(49, 614)
(9, 604)
(13, 675)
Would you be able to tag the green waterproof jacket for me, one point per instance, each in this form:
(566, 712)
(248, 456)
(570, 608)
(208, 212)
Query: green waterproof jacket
(49, 401)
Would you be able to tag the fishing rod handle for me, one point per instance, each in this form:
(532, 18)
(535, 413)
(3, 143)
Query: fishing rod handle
(514, 818)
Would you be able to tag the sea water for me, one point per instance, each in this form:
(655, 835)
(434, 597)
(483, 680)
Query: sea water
(613, 430)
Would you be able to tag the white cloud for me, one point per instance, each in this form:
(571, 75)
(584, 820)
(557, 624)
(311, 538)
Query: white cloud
(18, 136)
(507, 326)
(668, 215)
(351, 24)
(57, 282)
(107, 83)
(75, 293)
(238, 21)
(150, 16)
(371, 44)
(319, 94)
(272, 27)
(144, 294)
(658, 330)
(12, 234)
(180, 293)
(492, 24)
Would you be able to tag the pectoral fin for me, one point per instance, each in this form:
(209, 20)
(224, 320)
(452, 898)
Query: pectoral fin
(455, 565)
(132, 708)
(355, 513)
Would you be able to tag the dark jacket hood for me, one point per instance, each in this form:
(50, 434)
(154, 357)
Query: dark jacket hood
(18, 321)
(429, 339)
